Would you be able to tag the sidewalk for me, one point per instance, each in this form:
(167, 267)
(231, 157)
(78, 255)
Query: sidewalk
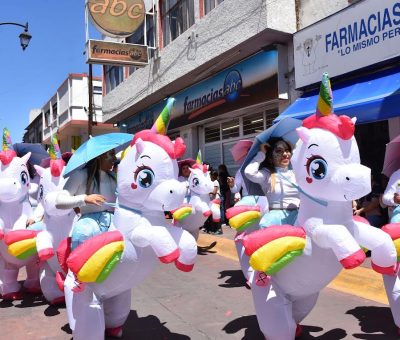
(362, 281)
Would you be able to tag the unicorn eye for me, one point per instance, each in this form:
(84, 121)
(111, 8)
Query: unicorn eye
(318, 168)
(40, 195)
(24, 177)
(195, 182)
(145, 178)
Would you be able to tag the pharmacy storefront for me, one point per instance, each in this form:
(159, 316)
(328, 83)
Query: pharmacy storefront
(212, 115)
(359, 47)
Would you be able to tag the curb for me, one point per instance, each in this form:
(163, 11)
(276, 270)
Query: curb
(361, 281)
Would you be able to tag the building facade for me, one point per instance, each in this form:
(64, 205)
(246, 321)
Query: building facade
(34, 131)
(66, 113)
(227, 64)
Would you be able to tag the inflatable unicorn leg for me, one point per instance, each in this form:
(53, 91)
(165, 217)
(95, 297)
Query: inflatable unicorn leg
(303, 306)
(392, 287)
(383, 251)
(48, 284)
(8, 279)
(187, 248)
(274, 312)
(44, 245)
(243, 259)
(116, 310)
(32, 282)
(216, 210)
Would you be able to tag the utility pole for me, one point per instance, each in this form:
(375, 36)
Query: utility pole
(90, 113)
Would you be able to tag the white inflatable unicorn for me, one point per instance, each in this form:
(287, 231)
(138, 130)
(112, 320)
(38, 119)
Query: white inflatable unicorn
(198, 204)
(56, 226)
(114, 262)
(329, 175)
(15, 209)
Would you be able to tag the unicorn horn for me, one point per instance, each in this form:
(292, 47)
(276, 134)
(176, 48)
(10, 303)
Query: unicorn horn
(7, 144)
(198, 158)
(161, 124)
(54, 149)
(324, 105)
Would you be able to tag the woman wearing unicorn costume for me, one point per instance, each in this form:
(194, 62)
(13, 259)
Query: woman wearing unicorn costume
(15, 210)
(300, 262)
(112, 263)
(55, 226)
(197, 205)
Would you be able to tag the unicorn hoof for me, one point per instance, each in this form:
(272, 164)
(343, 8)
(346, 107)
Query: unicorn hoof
(184, 267)
(115, 332)
(78, 287)
(46, 254)
(170, 257)
(262, 279)
(60, 278)
(33, 290)
(58, 301)
(207, 213)
(299, 331)
(392, 270)
(353, 260)
(12, 296)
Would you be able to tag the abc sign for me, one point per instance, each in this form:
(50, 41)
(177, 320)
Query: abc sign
(116, 18)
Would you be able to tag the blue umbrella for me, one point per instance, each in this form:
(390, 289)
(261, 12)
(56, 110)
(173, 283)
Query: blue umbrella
(38, 152)
(285, 129)
(96, 146)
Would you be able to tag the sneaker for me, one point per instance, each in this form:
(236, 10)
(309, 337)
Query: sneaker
(218, 232)
(223, 225)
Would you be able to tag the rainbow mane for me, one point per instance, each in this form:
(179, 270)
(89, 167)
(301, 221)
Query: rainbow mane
(21, 243)
(272, 248)
(95, 259)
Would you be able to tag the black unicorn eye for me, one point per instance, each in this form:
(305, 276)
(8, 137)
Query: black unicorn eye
(317, 167)
(24, 177)
(195, 182)
(40, 195)
(144, 176)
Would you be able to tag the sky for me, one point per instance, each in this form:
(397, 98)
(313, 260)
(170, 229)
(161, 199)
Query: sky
(30, 78)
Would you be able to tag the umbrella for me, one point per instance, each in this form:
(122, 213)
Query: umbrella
(38, 152)
(392, 157)
(285, 129)
(96, 146)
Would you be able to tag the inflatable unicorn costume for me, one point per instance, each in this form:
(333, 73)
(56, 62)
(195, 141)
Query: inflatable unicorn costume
(301, 261)
(198, 205)
(15, 209)
(113, 262)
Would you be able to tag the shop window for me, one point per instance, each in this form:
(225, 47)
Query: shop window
(211, 4)
(113, 77)
(76, 142)
(176, 16)
(269, 118)
(212, 134)
(212, 155)
(253, 124)
(173, 135)
(230, 129)
(47, 121)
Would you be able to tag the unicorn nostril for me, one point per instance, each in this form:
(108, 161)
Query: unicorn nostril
(171, 192)
(348, 178)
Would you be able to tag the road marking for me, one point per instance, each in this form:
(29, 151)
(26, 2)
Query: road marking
(361, 281)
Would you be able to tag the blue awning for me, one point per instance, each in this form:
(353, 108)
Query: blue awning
(370, 98)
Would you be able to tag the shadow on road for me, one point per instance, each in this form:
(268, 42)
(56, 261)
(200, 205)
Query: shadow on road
(234, 278)
(30, 301)
(373, 319)
(206, 249)
(149, 327)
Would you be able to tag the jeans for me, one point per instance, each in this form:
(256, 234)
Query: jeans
(89, 225)
(278, 217)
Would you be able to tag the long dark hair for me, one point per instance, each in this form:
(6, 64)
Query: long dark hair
(269, 161)
(93, 175)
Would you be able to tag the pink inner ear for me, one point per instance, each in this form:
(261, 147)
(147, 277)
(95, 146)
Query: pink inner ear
(303, 134)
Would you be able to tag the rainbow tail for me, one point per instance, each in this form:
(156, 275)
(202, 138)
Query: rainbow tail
(21, 243)
(393, 229)
(272, 248)
(242, 217)
(95, 259)
(182, 212)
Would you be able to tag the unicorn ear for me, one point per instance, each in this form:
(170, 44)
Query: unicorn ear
(139, 146)
(39, 169)
(354, 119)
(191, 170)
(303, 133)
(25, 157)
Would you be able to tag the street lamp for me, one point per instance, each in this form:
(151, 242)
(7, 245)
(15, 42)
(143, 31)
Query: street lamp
(24, 37)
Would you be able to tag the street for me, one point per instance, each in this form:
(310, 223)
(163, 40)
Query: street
(211, 302)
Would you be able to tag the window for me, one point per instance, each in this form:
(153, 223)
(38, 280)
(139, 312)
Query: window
(173, 135)
(211, 4)
(253, 124)
(212, 134)
(230, 129)
(76, 142)
(47, 118)
(54, 109)
(176, 16)
(113, 76)
(97, 90)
